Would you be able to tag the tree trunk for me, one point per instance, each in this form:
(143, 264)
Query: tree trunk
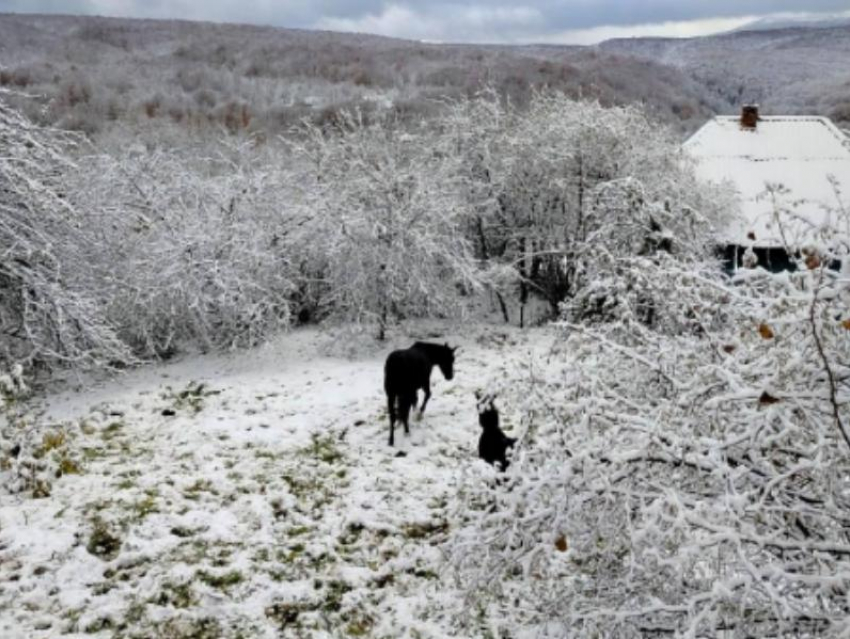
(485, 255)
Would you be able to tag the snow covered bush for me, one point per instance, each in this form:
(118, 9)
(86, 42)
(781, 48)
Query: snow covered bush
(560, 188)
(105, 257)
(196, 245)
(688, 483)
(641, 249)
(388, 219)
(49, 308)
(13, 385)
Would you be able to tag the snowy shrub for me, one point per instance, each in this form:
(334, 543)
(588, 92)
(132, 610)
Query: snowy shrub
(638, 253)
(690, 483)
(13, 385)
(49, 309)
(134, 253)
(387, 221)
(196, 249)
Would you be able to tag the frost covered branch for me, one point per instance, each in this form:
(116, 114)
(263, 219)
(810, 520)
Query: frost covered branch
(714, 504)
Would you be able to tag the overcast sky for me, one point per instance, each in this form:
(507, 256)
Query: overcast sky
(510, 21)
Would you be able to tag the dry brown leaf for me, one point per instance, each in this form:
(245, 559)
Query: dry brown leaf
(765, 331)
(812, 262)
(561, 543)
(729, 348)
(846, 324)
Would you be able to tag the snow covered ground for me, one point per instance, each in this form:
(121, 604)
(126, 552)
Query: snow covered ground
(247, 495)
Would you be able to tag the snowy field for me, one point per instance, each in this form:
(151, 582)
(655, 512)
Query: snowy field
(249, 495)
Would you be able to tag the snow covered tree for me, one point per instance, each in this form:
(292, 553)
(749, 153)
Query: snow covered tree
(387, 221)
(544, 182)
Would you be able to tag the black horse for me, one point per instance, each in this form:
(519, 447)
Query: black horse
(408, 370)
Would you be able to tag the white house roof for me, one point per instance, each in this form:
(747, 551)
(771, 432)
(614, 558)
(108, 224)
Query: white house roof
(788, 168)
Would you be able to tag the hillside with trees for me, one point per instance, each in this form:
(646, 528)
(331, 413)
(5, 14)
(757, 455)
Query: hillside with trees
(97, 72)
(789, 71)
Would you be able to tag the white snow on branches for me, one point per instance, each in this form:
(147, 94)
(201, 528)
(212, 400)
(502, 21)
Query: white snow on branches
(688, 478)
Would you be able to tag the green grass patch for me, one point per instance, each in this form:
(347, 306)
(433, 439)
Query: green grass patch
(99, 625)
(188, 628)
(351, 534)
(103, 541)
(291, 554)
(221, 582)
(334, 591)
(425, 530)
(194, 490)
(324, 449)
(287, 615)
(175, 595)
(185, 531)
(68, 466)
(112, 430)
(144, 507)
(359, 627)
(125, 484)
(190, 399)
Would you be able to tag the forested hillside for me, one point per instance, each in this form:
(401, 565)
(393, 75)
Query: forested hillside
(97, 71)
(789, 71)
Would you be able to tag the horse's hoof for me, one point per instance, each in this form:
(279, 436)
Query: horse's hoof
(401, 453)
(419, 416)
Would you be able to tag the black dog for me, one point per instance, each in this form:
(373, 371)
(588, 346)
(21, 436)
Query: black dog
(493, 444)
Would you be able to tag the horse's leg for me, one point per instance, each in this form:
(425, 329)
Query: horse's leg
(405, 402)
(427, 397)
(391, 407)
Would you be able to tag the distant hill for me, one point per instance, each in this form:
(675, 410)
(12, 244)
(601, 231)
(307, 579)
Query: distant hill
(97, 72)
(767, 24)
(800, 70)
(103, 74)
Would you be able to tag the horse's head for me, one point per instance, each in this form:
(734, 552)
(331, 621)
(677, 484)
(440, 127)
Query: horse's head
(447, 361)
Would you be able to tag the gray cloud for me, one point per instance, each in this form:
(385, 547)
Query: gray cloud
(481, 20)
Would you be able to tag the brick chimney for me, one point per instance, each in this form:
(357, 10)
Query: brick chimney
(749, 116)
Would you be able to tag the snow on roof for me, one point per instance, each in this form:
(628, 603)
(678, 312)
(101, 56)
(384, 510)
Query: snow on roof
(782, 171)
